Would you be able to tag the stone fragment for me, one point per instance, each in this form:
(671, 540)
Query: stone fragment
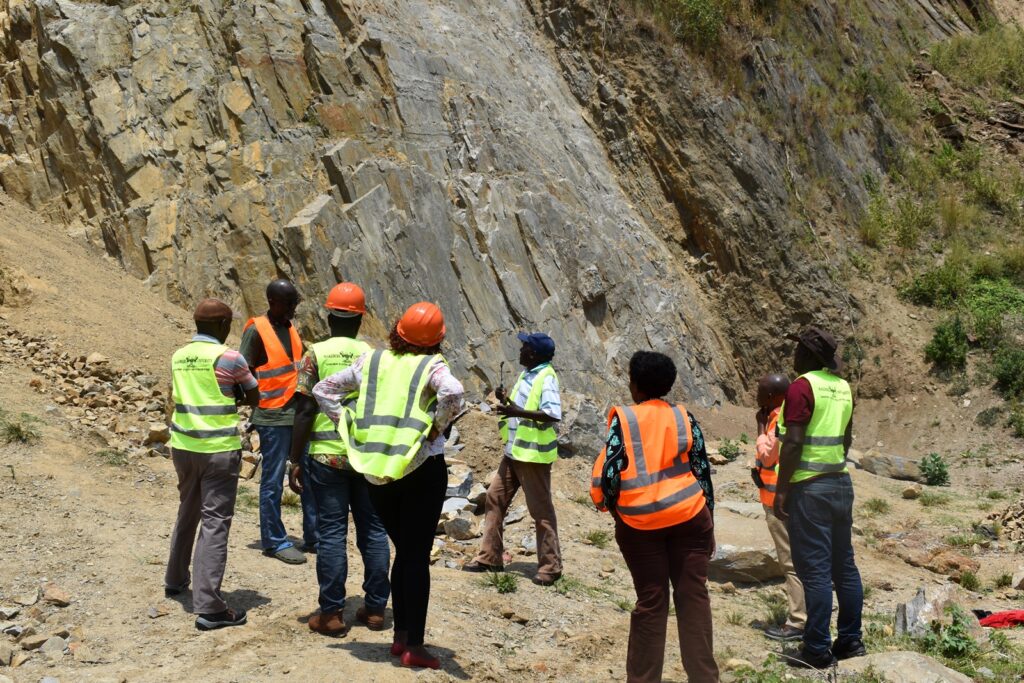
(735, 664)
(529, 545)
(19, 658)
(904, 667)
(27, 599)
(718, 459)
(55, 595)
(461, 528)
(912, 492)
(53, 647)
(891, 466)
(155, 612)
(6, 653)
(33, 642)
(236, 97)
(158, 433)
(516, 514)
(744, 565)
(9, 612)
(913, 617)
(460, 480)
(1018, 580)
(453, 506)
(751, 510)
(96, 358)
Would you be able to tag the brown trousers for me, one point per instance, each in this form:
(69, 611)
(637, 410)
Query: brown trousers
(535, 480)
(677, 555)
(794, 589)
(207, 484)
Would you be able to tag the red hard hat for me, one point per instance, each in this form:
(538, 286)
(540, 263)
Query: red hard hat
(347, 296)
(422, 325)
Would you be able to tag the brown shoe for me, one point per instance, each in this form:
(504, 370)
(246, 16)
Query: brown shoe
(328, 624)
(373, 618)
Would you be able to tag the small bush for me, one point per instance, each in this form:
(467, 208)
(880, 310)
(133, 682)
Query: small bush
(876, 506)
(697, 22)
(503, 582)
(952, 640)
(730, 450)
(962, 540)
(246, 500)
(875, 225)
(290, 499)
(625, 605)
(948, 347)
(969, 580)
(995, 495)
(777, 606)
(112, 457)
(1016, 420)
(912, 220)
(989, 416)
(1008, 370)
(21, 429)
(992, 58)
(598, 538)
(583, 499)
(940, 287)
(935, 470)
(1004, 580)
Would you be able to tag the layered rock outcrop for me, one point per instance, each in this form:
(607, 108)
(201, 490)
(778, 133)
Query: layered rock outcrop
(489, 156)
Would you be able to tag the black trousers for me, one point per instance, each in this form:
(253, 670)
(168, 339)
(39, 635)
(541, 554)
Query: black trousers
(410, 509)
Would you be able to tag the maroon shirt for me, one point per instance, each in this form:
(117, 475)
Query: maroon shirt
(799, 403)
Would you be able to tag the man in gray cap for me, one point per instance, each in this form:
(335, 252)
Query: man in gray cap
(209, 381)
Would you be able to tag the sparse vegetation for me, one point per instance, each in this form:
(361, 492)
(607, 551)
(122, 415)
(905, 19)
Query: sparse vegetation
(954, 639)
(583, 499)
(1004, 581)
(20, 429)
(112, 457)
(963, 540)
(696, 22)
(598, 538)
(935, 470)
(948, 347)
(995, 494)
(503, 582)
(876, 506)
(729, 449)
(735, 618)
(290, 499)
(776, 606)
(932, 499)
(246, 499)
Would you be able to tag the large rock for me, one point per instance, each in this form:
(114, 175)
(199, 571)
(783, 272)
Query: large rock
(460, 480)
(744, 565)
(904, 667)
(892, 467)
(914, 617)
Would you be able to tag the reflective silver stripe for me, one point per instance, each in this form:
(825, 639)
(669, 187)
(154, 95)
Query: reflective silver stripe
(206, 410)
(682, 433)
(546, 448)
(377, 448)
(823, 441)
(663, 504)
(274, 393)
(677, 469)
(822, 466)
(325, 436)
(205, 433)
(371, 384)
(404, 422)
(393, 421)
(277, 372)
(634, 437)
(414, 385)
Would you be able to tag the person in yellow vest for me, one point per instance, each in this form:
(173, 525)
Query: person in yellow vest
(529, 431)
(653, 476)
(208, 381)
(271, 345)
(405, 399)
(335, 486)
(771, 392)
(814, 496)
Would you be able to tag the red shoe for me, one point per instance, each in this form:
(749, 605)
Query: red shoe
(409, 659)
(397, 649)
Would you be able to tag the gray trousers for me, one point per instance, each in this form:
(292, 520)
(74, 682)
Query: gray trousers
(207, 484)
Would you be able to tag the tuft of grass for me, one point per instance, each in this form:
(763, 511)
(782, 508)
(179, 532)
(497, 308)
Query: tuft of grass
(735, 618)
(876, 506)
(598, 538)
(290, 499)
(112, 457)
(963, 540)
(992, 59)
(583, 499)
(776, 606)
(1004, 580)
(969, 580)
(503, 582)
(931, 499)
(20, 429)
(696, 22)
(625, 604)
(246, 500)
(989, 416)
(995, 494)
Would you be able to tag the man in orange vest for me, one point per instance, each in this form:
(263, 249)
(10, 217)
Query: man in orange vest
(653, 476)
(771, 392)
(273, 350)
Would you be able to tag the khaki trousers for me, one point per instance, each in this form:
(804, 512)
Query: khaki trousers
(794, 589)
(535, 480)
(207, 485)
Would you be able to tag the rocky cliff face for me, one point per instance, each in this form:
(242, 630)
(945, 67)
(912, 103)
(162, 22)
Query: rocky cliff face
(532, 164)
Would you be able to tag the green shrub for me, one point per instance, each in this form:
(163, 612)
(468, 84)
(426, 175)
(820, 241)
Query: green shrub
(598, 538)
(875, 224)
(503, 582)
(995, 495)
(963, 540)
(112, 457)
(935, 470)
(912, 220)
(1004, 580)
(989, 416)
(697, 22)
(991, 58)
(729, 449)
(948, 347)
(290, 499)
(969, 580)
(931, 499)
(1016, 420)
(876, 506)
(21, 429)
(940, 287)
(952, 640)
(1008, 370)
(777, 607)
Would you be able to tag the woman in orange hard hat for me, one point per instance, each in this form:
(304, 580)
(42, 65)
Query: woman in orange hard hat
(406, 398)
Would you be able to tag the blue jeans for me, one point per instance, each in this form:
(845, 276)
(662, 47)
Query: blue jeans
(336, 491)
(275, 445)
(820, 535)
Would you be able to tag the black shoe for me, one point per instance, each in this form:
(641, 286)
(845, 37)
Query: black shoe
(171, 591)
(849, 649)
(480, 567)
(309, 548)
(229, 617)
(784, 634)
(808, 660)
(546, 580)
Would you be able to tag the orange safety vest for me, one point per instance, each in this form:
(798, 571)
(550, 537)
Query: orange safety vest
(768, 469)
(657, 488)
(279, 376)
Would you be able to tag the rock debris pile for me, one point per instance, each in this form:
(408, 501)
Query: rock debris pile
(1012, 520)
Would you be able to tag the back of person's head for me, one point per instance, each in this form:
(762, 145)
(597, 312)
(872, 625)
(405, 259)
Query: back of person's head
(653, 373)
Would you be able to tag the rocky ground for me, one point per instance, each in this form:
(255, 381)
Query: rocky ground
(86, 512)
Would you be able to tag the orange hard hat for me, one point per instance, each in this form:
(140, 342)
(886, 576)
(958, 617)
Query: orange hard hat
(422, 325)
(347, 296)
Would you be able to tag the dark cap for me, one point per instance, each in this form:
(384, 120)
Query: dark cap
(821, 344)
(541, 343)
(212, 310)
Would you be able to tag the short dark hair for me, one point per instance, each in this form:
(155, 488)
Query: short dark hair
(653, 373)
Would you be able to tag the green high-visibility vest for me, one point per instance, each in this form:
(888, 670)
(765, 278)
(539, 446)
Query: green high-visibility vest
(535, 441)
(390, 422)
(204, 420)
(334, 355)
(823, 449)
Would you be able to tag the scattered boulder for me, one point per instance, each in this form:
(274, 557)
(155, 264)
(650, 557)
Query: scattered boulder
(462, 528)
(744, 565)
(158, 432)
(6, 653)
(735, 664)
(460, 480)
(914, 617)
(53, 647)
(718, 459)
(453, 506)
(9, 612)
(477, 495)
(516, 514)
(904, 667)
(55, 595)
(33, 642)
(96, 358)
(1018, 580)
(912, 492)
(529, 545)
(27, 599)
(892, 467)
